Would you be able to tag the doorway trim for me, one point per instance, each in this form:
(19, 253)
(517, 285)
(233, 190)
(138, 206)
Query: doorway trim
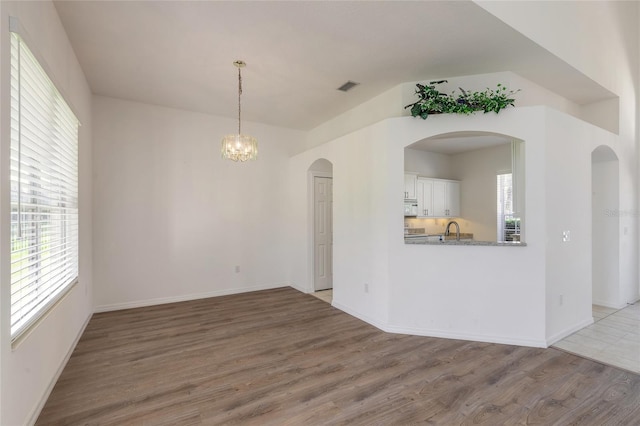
(311, 175)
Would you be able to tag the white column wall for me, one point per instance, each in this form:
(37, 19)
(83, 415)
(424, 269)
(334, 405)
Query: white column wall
(172, 218)
(568, 180)
(29, 369)
(493, 294)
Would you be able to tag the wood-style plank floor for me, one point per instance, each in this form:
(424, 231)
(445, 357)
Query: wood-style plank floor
(280, 357)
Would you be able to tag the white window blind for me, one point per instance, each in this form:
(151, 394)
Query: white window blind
(44, 190)
(508, 224)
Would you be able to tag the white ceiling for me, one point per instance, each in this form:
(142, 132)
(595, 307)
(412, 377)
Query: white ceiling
(455, 143)
(180, 53)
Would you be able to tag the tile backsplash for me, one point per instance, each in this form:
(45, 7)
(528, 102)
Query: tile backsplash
(436, 226)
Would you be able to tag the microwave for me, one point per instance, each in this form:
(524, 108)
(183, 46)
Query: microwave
(410, 208)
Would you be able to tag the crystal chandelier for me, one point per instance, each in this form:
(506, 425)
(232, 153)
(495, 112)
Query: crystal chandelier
(239, 147)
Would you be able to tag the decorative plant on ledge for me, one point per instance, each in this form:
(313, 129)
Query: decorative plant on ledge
(432, 101)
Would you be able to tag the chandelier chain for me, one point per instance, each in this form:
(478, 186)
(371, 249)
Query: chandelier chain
(239, 93)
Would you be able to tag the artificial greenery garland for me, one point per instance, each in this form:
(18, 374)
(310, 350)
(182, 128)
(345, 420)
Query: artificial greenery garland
(432, 101)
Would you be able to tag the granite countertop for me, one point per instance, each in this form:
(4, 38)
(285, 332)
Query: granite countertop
(465, 243)
(418, 236)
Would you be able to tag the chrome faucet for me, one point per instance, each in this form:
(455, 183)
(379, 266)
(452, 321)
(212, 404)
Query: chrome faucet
(446, 230)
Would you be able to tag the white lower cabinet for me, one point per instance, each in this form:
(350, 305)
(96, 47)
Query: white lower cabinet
(438, 197)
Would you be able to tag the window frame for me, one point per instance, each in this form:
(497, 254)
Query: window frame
(54, 173)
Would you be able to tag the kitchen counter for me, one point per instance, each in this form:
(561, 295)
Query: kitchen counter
(462, 242)
(436, 237)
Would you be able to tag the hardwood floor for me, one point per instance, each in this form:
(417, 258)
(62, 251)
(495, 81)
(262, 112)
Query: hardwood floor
(281, 357)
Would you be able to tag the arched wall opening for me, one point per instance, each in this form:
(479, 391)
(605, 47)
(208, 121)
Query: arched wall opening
(488, 169)
(320, 194)
(605, 225)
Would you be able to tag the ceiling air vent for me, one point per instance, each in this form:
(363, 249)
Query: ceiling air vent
(348, 86)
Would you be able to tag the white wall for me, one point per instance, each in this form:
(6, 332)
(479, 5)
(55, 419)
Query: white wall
(428, 164)
(172, 219)
(477, 171)
(28, 371)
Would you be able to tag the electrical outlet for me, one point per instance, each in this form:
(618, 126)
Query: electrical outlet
(566, 236)
(237, 269)
(366, 287)
(561, 299)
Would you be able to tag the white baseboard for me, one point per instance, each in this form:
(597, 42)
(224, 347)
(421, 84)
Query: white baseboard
(358, 315)
(300, 289)
(569, 331)
(35, 413)
(608, 304)
(507, 340)
(183, 298)
(448, 334)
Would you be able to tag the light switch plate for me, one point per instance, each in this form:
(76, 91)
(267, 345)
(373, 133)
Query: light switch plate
(566, 236)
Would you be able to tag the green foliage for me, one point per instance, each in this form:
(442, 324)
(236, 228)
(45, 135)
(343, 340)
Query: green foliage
(432, 101)
(512, 223)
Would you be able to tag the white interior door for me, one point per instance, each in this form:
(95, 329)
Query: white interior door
(323, 233)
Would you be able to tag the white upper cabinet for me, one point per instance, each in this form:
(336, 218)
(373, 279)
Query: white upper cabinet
(424, 194)
(438, 197)
(453, 199)
(446, 198)
(410, 180)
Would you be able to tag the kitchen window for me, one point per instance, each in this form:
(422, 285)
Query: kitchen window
(508, 223)
(44, 191)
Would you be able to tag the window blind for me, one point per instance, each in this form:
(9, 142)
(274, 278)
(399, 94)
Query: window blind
(44, 190)
(505, 203)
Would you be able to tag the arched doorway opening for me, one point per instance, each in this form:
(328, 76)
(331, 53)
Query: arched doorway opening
(605, 228)
(321, 191)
